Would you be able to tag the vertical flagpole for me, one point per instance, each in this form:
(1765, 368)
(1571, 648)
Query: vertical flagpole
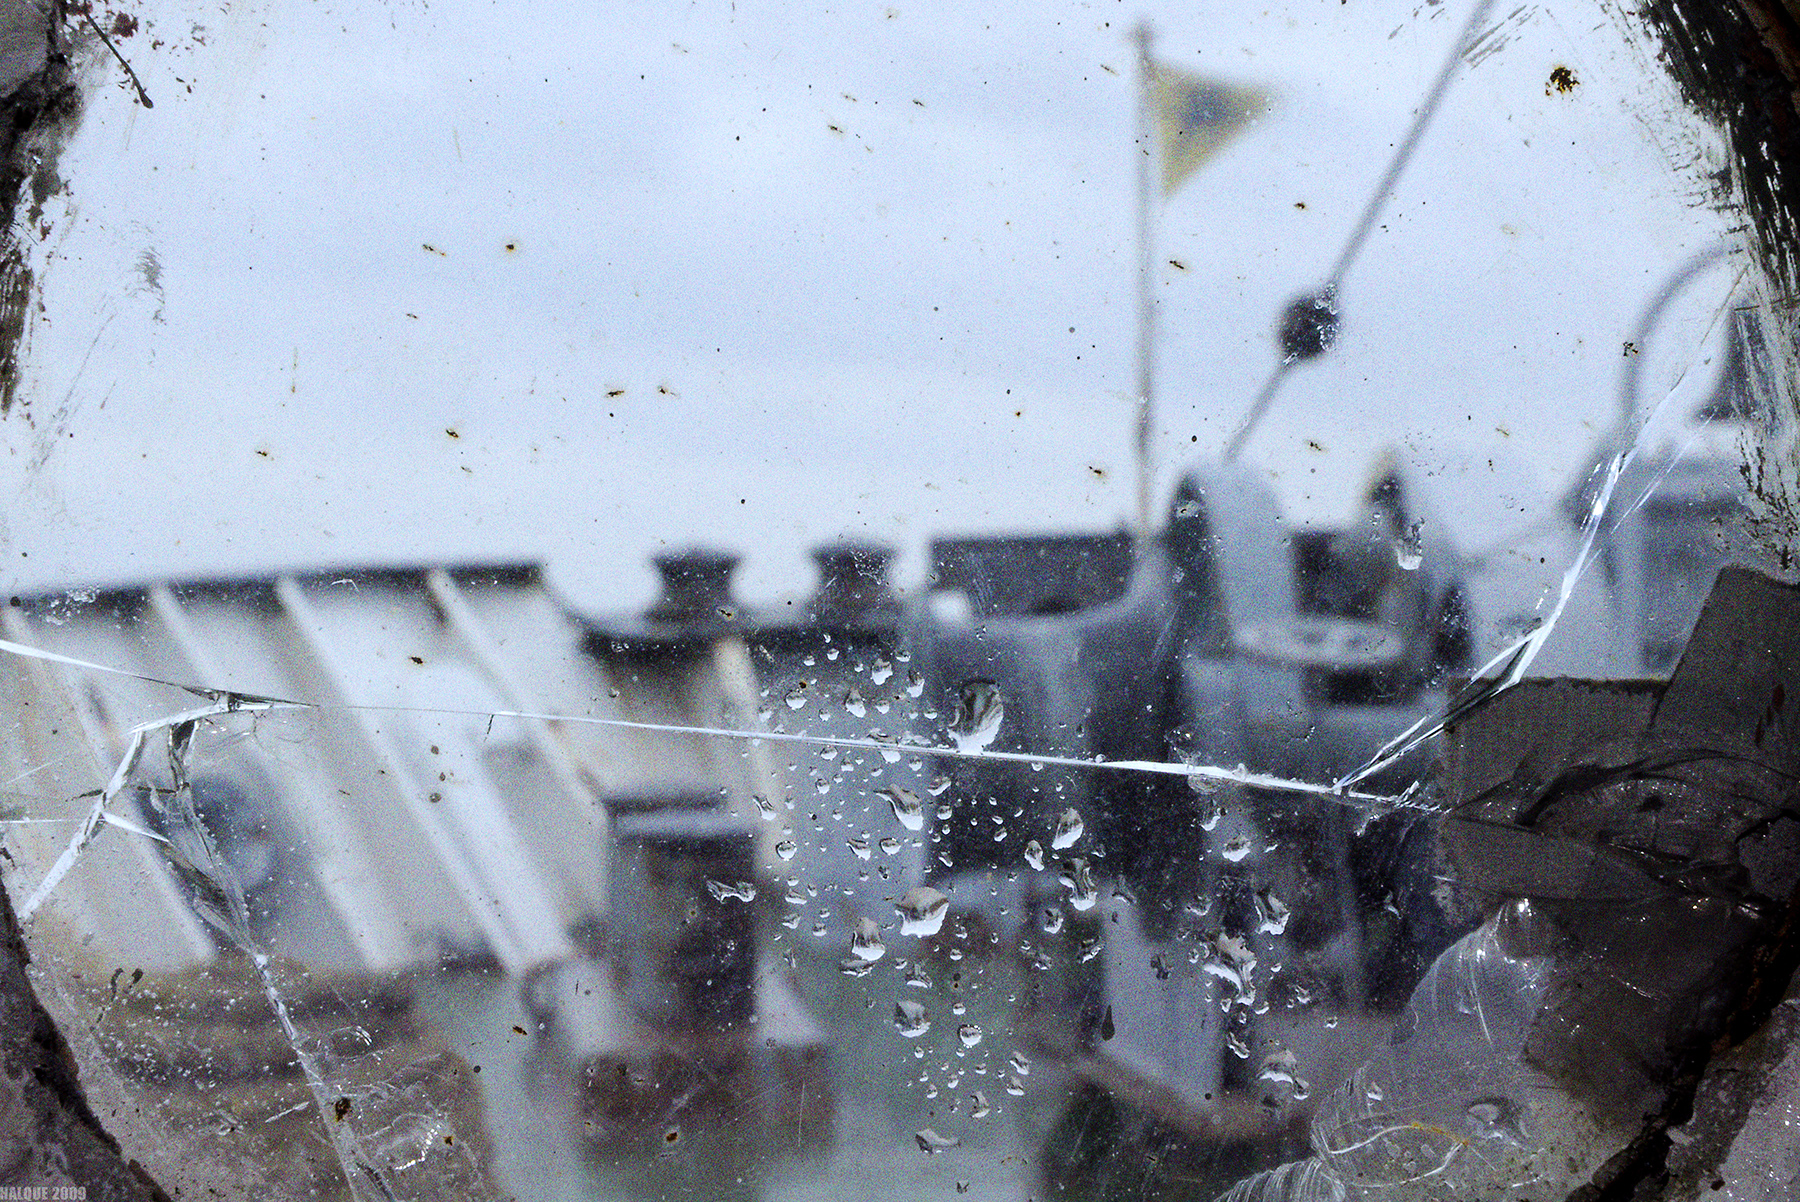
(1146, 362)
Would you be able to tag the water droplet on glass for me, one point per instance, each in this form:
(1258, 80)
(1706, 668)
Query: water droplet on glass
(915, 684)
(852, 967)
(1409, 548)
(1034, 854)
(1234, 948)
(1278, 1067)
(1235, 849)
(1068, 829)
(922, 911)
(1088, 949)
(765, 808)
(1496, 1117)
(1019, 1064)
(859, 845)
(796, 696)
(787, 849)
(910, 1020)
(742, 891)
(1015, 1087)
(890, 754)
(978, 1106)
(1078, 879)
(890, 846)
(979, 711)
(938, 785)
(1053, 921)
(917, 977)
(853, 704)
(909, 811)
(969, 1034)
(1107, 1030)
(931, 1143)
(944, 812)
(865, 941)
(1272, 913)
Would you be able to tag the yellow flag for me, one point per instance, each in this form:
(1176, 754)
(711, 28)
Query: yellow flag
(1195, 117)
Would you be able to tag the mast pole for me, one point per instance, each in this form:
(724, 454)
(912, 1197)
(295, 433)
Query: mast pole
(1146, 296)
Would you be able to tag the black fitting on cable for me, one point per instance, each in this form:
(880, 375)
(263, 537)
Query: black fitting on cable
(1309, 326)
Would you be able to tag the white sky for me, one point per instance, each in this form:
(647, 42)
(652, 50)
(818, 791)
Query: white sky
(829, 257)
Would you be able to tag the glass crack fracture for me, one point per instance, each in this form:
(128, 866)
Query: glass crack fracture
(1508, 667)
(232, 702)
(216, 893)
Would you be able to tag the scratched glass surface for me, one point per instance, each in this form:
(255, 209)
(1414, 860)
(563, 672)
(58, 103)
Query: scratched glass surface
(752, 601)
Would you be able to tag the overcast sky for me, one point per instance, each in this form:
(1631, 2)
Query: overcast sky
(405, 282)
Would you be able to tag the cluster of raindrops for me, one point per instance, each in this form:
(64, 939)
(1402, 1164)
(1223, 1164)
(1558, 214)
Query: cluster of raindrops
(853, 681)
(958, 1079)
(851, 809)
(65, 605)
(855, 813)
(859, 810)
(1232, 935)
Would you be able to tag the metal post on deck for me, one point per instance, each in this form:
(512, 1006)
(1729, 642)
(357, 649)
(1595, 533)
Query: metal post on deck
(1146, 297)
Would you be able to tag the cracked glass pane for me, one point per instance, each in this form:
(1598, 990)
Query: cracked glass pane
(759, 602)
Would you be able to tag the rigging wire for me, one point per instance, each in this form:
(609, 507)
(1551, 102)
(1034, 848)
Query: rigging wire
(1322, 305)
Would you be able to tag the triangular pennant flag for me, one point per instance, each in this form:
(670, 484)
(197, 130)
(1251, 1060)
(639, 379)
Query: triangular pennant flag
(1195, 117)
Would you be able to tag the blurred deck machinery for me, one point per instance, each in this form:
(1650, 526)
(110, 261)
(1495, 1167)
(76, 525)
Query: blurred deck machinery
(409, 815)
(457, 789)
